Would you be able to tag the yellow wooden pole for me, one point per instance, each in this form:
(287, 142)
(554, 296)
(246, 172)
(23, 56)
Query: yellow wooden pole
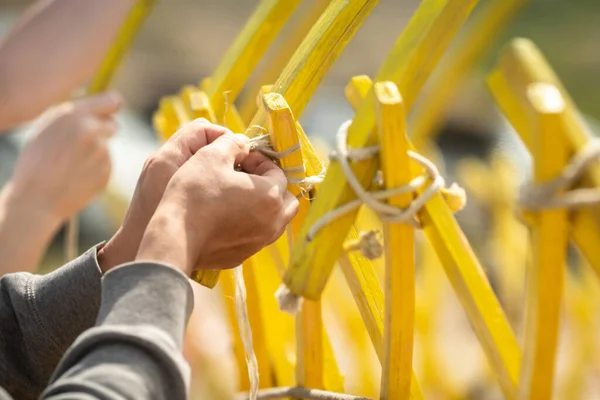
(521, 64)
(471, 286)
(550, 237)
(246, 51)
(100, 83)
(133, 23)
(399, 247)
(479, 35)
(412, 59)
(321, 47)
(282, 54)
(311, 371)
(302, 74)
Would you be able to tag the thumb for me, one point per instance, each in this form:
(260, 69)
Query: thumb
(230, 148)
(101, 105)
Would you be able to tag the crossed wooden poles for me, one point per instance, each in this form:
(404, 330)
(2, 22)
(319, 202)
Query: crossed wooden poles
(381, 108)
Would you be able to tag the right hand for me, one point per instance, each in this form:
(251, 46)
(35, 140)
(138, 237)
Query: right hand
(214, 217)
(67, 162)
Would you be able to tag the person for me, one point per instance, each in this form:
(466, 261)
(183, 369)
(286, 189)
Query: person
(63, 168)
(127, 302)
(52, 50)
(35, 74)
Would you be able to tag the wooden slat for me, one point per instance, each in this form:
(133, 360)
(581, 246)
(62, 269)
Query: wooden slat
(321, 47)
(521, 64)
(399, 242)
(478, 37)
(310, 368)
(410, 62)
(282, 54)
(472, 288)
(125, 38)
(550, 237)
(246, 51)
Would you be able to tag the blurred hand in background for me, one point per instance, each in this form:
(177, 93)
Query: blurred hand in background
(62, 169)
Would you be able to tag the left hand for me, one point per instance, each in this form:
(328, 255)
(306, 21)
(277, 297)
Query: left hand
(155, 176)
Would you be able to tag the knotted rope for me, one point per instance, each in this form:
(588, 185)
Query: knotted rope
(290, 302)
(543, 196)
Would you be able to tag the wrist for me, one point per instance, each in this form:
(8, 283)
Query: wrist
(167, 241)
(27, 207)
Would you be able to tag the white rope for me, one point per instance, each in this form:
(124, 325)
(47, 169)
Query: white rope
(245, 331)
(386, 212)
(291, 302)
(543, 196)
(262, 144)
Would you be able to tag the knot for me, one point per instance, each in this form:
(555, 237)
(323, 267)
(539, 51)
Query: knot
(386, 212)
(262, 144)
(543, 196)
(368, 244)
(288, 302)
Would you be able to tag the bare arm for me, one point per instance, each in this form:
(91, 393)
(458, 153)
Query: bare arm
(55, 47)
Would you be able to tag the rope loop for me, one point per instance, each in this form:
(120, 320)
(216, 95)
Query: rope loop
(391, 214)
(544, 196)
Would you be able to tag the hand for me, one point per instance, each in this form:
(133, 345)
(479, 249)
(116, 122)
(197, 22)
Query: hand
(67, 162)
(153, 180)
(212, 216)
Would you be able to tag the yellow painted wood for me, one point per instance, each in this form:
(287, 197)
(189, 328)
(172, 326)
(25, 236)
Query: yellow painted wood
(246, 51)
(412, 59)
(197, 103)
(399, 242)
(227, 285)
(582, 300)
(283, 52)
(521, 64)
(356, 91)
(472, 288)
(116, 53)
(430, 297)
(316, 54)
(495, 186)
(478, 37)
(368, 296)
(550, 237)
(280, 327)
(310, 368)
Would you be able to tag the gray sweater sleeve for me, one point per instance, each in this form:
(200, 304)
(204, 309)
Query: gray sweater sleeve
(40, 317)
(134, 351)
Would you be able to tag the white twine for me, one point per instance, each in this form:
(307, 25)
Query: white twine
(536, 197)
(386, 212)
(262, 144)
(245, 331)
(291, 302)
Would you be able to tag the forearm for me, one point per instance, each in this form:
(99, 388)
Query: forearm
(135, 349)
(26, 230)
(55, 47)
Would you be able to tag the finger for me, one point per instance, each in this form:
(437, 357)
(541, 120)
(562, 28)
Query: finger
(101, 105)
(194, 135)
(230, 148)
(258, 164)
(107, 128)
(290, 207)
